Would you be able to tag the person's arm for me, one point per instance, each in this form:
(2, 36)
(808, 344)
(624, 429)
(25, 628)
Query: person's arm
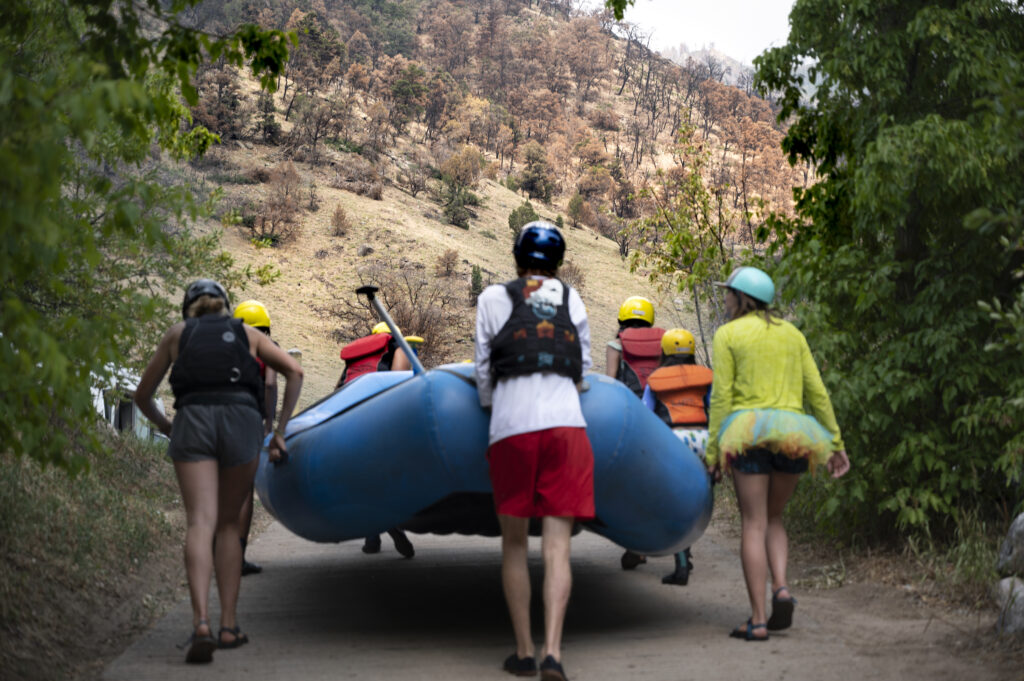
(721, 399)
(482, 349)
(151, 377)
(269, 399)
(816, 396)
(400, 362)
(284, 364)
(612, 357)
(578, 316)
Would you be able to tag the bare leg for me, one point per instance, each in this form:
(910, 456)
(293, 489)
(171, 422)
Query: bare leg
(752, 495)
(557, 534)
(235, 485)
(780, 490)
(198, 483)
(515, 578)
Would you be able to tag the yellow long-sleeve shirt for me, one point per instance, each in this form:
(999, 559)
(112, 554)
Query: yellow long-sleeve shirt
(765, 366)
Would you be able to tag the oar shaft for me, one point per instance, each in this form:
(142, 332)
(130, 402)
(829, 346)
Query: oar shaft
(371, 293)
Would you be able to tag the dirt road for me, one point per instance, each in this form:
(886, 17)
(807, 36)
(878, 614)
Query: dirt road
(329, 612)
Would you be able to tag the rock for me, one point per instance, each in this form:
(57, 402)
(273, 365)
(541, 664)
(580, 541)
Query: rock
(1011, 555)
(1011, 605)
(365, 249)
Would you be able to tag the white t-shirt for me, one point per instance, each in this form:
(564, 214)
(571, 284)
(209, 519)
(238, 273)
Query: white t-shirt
(537, 401)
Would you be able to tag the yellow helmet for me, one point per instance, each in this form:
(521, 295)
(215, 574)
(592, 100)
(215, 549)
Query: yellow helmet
(253, 313)
(414, 341)
(678, 342)
(636, 307)
(381, 327)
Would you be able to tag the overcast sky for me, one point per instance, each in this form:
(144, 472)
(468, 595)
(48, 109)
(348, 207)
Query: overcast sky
(741, 29)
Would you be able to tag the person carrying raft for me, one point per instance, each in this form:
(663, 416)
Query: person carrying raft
(377, 352)
(254, 313)
(630, 358)
(532, 347)
(215, 443)
(678, 392)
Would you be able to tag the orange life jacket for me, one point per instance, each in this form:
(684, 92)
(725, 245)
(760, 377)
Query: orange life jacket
(681, 388)
(363, 356)
(641, 354)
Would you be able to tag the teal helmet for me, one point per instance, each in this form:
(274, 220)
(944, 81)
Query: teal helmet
(752, 281)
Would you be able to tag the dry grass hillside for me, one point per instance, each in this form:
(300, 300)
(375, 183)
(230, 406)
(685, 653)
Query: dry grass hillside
(317, 268)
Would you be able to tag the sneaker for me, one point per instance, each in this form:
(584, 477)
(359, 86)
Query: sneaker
(520, 666)
(630, 560)
(551, 670)
(402, 543)
(250, 568)
(372, 544)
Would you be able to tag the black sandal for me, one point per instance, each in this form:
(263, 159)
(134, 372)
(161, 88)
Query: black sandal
(200, 646)
(747, 632)
(782, 611)
(237, 642)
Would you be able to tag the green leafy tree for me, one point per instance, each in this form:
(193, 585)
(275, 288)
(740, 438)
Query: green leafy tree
(575, 210)
(520, 216)
(914, 129)
(476, 284)
(535, 179)
(618, 7)
(691, 239)
(94, 233)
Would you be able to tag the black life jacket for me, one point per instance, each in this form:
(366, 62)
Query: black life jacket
(214, 365)
(538, 336)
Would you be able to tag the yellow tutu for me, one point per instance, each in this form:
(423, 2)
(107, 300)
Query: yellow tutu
(792, 434)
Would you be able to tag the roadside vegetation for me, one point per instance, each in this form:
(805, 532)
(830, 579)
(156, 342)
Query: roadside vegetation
(886, 203)
(83, 562)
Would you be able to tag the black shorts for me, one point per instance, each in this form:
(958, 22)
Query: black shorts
(230, 434)
(764, 461)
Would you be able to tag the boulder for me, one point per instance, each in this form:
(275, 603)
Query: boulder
(1011, 605)
(1011, 555)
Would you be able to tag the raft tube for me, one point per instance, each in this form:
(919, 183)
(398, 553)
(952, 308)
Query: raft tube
(394, 449)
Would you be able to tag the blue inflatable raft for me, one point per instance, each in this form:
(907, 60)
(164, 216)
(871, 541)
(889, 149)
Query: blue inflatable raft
(397, 449)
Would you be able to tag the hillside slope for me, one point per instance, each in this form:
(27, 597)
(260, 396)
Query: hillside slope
(318, 268)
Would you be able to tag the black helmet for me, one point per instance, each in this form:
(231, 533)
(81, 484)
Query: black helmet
(539, 246)
(203, 287)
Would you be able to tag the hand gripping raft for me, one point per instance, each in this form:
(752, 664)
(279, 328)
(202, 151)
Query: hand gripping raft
(407, 449)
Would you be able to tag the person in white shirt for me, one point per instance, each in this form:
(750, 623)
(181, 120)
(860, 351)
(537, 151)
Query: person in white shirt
(532, 348)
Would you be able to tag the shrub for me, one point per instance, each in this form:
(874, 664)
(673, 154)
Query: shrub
(339, 222)
(572, 274)
(419, 304)
(274, 222)
(446, 263)
(476, 285)
(520, 216)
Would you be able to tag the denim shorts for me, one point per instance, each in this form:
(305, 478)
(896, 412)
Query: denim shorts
(764, 461)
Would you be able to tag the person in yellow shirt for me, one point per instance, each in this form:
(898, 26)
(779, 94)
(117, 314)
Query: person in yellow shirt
(760, 434)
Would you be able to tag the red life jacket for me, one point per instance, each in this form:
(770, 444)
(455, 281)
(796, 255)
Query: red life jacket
(681, 388)
(363, 356)
(641, 354)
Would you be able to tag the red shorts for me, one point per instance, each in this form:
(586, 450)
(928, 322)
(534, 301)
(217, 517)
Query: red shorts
(543, 473)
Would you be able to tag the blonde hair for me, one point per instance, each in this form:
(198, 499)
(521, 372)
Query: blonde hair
(206, 304)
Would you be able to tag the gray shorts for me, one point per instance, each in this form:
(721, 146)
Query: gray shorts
(230, 434)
